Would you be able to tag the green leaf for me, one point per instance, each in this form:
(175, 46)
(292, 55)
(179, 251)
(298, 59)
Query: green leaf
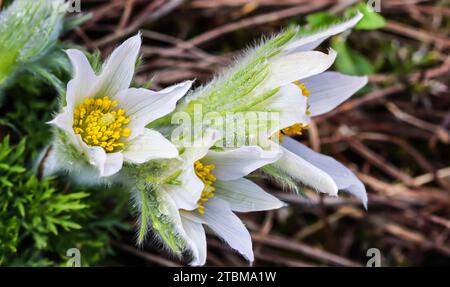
(371, 20)
(350, 61)
(320, 19)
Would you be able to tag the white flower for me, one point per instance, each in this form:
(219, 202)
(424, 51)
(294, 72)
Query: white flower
(213, 188)
(105, 120)
(297, 156)
(306, 90)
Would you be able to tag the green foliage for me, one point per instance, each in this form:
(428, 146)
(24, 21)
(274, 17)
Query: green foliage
(350, 61)
(28, 29)
(76, 21)
(320, 19)
(371, 20)
(40, 220)
(30, 207)
(27, 113)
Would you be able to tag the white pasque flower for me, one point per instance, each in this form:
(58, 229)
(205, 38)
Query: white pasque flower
(105, 120)
(213, 187)
(305, 91)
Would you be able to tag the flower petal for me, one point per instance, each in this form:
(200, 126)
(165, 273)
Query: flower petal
(196, 234)
(148, 146)
(342, 176)
(113, 164)
(64, 121)
(306, 173)
(118, 71)
(330, 89)
(228, 226)
(106, 164)
(83, 81)
(244, 195)
(312, 41)
(96, 156)
(237, 163)
(143, 106)
(188, 192)
(291, 106)
(289, 68)
(200, 146)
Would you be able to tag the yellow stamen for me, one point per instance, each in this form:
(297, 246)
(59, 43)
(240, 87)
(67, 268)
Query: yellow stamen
(204, 173)
(294, 130)
(100, 123)
(305, 92)
(302, 87)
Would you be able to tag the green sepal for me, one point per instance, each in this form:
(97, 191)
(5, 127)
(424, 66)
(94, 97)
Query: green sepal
(282, 178)
(158, 212)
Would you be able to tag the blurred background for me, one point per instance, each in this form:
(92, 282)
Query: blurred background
(394, 134)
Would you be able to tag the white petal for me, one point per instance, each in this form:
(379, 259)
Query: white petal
(342, 176)
(118, 71)
(237, 163)
(228, 226)
(106, 164)
(64, 121)
(311, 42)
(330, 89)
(113, 164)
(148, 146)
(96, 156)
(83, 80)
(200, 146)
(193, 216)
(245, 196)
(291, 105)
(188, 192)
(286, 69)
(143, 106)
(306, 173)
(196, 234)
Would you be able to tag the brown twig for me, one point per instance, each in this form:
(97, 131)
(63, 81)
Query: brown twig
(253, 21)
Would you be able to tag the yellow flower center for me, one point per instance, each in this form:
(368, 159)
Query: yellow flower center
(101, 123)
(296, 129)
(204, 173)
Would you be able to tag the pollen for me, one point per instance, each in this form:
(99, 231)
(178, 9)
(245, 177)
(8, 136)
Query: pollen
(294, 130)
(204, 173)
(101, 123)
(302, 87)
